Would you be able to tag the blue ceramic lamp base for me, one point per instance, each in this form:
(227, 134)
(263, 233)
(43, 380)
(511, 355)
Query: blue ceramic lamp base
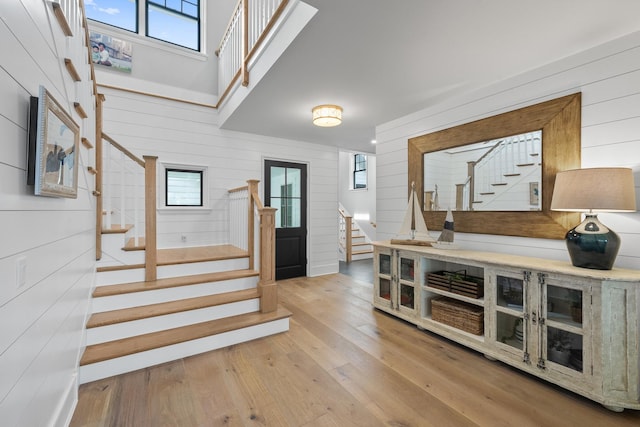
(592, 245)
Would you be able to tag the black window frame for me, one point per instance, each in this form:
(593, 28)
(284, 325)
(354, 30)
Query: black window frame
(156, 3)
(162, 4)
(360, 167)
(166, 187)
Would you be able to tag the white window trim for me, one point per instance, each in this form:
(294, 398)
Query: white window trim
(162, 193)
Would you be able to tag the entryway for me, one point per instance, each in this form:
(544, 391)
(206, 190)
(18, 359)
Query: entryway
(285, 188)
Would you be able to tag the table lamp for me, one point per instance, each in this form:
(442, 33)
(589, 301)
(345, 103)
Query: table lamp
(591, 244)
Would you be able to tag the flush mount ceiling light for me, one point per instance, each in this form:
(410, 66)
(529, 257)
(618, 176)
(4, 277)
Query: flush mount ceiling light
(327, 115)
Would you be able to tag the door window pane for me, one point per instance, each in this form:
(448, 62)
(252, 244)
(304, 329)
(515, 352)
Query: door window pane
(286, 196)
(293, 179)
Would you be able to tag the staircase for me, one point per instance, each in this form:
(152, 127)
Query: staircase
(354, 244)
(153, 305)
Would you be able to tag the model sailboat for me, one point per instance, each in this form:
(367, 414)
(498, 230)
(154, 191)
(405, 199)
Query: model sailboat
(413, 230)
(445, 241)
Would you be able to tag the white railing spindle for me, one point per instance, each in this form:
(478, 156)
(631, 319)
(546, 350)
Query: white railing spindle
(107, 187)
(260, 14)
(123, 179)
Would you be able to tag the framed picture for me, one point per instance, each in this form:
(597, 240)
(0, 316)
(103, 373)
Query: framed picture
(534, 194)
(111, 53)
(56, 139)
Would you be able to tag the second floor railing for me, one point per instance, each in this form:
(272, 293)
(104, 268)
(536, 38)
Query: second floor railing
(250, 24)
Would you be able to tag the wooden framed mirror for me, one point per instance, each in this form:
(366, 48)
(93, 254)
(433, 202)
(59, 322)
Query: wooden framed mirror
(560, 122)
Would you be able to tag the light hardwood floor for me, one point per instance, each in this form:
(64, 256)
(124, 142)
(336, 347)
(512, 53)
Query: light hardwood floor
(341, 364)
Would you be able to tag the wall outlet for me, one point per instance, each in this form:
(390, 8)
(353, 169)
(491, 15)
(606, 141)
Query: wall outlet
(183, 238)
(21, 271)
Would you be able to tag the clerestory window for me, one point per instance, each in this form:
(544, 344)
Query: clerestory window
(173, 21)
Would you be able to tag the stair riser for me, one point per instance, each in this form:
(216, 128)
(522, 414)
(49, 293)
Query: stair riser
(137, 274)
(134, 299)
(112, 245)
(145, 359)
(120, 258)
(169, 321)
(361, 256)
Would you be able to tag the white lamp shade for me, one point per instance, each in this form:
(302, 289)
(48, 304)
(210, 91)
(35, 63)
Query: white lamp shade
(327, 115)
(594, 190)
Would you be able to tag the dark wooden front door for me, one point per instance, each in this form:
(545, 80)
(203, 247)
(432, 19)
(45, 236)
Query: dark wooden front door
(286, 189)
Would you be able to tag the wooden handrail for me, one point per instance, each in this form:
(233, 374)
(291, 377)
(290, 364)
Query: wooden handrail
(228, 27)
(126, 152)
(238, 189)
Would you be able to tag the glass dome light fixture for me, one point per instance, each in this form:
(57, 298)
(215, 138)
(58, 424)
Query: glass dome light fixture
(327, 115)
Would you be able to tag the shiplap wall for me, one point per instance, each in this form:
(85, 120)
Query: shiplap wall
(182, 133)
(42, 321)
(608, 77)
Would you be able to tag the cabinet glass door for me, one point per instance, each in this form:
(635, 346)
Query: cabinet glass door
(406, 282)
(384, 287)
(510, 301)
(564, 326)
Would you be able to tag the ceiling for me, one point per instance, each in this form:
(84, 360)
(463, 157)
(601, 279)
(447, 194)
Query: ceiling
(381, 59)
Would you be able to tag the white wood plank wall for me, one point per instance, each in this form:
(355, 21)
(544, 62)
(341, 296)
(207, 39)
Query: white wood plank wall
(42, 320)
(183, 133)
(608, 77)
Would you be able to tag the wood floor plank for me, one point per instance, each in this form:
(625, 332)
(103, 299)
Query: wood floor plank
(343, 363)
(170, 398)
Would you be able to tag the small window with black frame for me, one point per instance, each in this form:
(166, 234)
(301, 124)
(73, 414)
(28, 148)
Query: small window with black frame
(183, 187)
(359, 171)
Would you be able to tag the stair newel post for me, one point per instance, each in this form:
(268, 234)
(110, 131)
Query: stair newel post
(471, 172)
(252, 186)
(150, 252)
(267, 284)
(348, 225)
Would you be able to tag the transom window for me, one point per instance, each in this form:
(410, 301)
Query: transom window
(172, 21)
(359, 171)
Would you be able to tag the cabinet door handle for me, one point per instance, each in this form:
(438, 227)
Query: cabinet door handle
(534, 317)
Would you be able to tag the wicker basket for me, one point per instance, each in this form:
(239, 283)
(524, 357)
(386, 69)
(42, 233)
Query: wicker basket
(460, 315)
(457, 283)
